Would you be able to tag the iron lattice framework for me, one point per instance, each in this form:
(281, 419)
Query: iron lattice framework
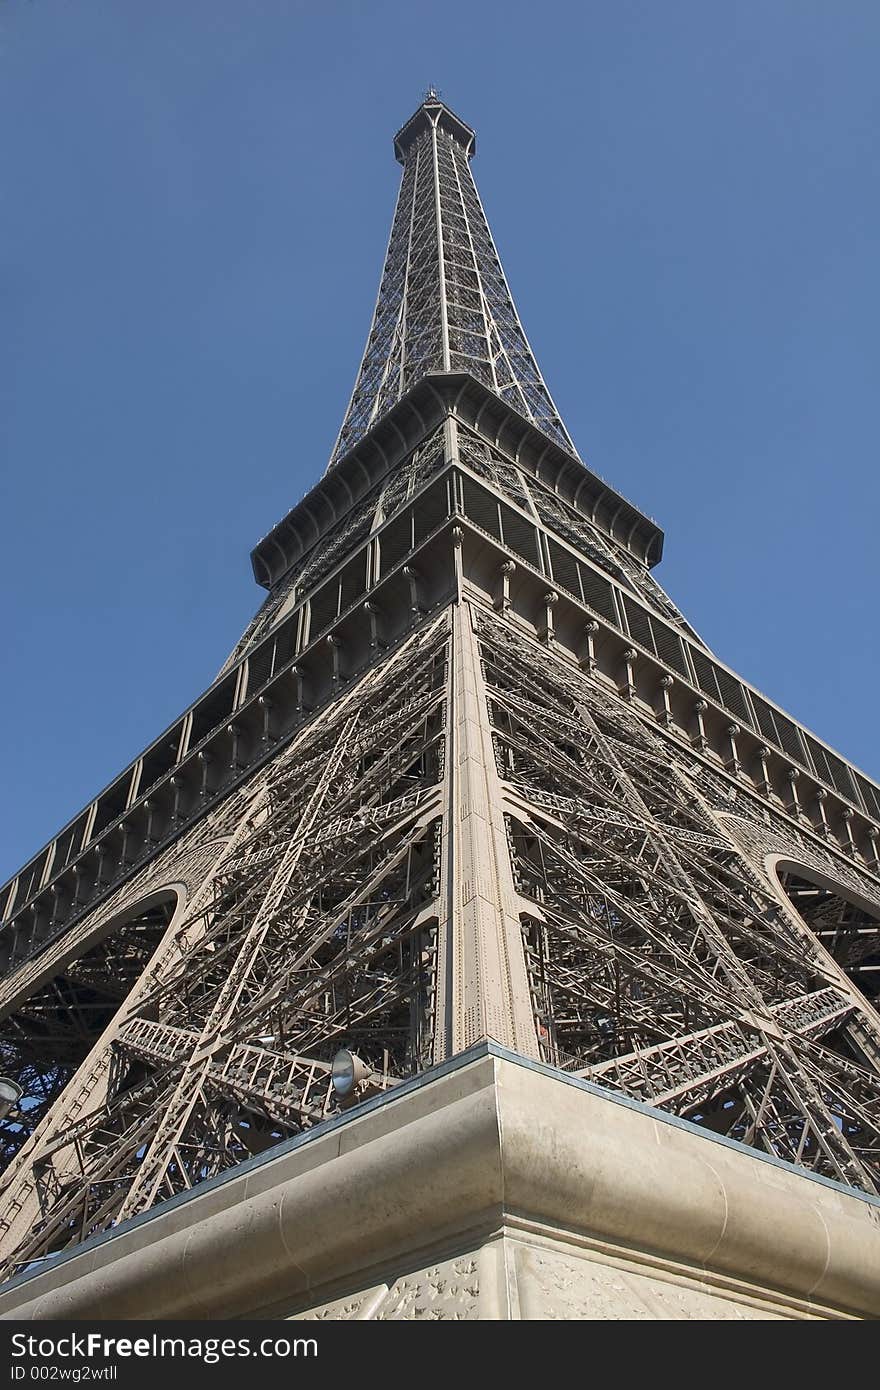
(444, 304)
(468, 773)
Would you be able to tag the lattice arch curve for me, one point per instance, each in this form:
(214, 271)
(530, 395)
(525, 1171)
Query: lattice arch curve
(844, 923)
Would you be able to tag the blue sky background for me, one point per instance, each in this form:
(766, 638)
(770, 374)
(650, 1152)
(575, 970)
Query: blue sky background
(196, 196)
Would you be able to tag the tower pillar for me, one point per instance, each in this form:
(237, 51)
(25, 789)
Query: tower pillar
(480, 935)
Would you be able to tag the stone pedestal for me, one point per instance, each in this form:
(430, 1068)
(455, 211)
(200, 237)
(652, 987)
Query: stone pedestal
(491, 1187)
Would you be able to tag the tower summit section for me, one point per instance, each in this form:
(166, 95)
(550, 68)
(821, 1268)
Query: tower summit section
(444, 304)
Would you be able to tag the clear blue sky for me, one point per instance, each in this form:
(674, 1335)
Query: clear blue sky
(196, 196)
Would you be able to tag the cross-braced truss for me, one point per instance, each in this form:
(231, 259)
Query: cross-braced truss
(315, 929)
(660, 962)
(45, 1040)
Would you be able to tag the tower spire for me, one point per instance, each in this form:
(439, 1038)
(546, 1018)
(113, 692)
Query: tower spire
(444, 304)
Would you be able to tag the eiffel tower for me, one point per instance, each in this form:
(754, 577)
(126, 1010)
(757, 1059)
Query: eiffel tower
(471, 823)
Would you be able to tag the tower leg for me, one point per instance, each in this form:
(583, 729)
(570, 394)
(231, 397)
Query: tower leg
(486, 986)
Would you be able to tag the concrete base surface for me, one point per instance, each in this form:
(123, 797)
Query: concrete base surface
(491, 1188)
(516, 1278)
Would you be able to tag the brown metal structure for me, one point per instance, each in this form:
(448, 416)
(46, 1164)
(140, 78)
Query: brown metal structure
(468, 774)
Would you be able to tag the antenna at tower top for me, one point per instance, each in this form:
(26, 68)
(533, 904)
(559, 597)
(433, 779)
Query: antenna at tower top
(432, 94)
